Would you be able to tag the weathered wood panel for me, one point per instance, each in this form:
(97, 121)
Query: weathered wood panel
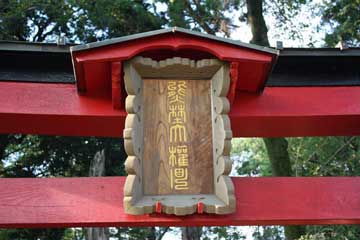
(177, 139)
(196, 119)
(78, 202)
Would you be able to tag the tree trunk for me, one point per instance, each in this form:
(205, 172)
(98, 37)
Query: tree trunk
(256, 21)
(97, 169)
(277, 148)
(191, 233)
(4, 141)
(97, 165)
(152, 234)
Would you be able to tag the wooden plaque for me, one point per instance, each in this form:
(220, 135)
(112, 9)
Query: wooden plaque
(177, 137)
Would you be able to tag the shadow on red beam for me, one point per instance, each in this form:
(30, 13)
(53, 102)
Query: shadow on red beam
(80, 202)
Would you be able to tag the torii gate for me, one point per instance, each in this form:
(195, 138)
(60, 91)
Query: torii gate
(95, 106)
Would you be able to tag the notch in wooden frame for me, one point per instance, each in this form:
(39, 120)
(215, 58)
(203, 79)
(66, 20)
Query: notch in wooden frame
(178, 137)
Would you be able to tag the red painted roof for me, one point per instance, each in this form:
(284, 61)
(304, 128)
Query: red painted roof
(251, 64)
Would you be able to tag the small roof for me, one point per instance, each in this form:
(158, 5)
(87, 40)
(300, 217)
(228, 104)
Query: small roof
(169, 30)
(256, 61)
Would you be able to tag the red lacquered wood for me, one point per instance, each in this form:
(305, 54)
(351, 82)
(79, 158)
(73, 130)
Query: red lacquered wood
(297, 111)
(116, 86)
(200, 208)
(99, 78)
(252, 62)
(126, 50)
(158, 207)
(80, 202)
(57, 109)
(233, 82)
(250, 76)
(79, 76)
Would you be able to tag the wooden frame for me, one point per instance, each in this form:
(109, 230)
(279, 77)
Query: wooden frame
(222, 201)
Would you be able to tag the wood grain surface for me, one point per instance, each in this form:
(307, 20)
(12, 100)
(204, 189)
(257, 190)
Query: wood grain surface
(156, 167)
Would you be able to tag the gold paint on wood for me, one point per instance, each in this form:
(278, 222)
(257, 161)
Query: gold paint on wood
(180, 134)
(177, 136)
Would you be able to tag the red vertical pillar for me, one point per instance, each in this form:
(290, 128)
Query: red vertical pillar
(233, 81)
(117, 86)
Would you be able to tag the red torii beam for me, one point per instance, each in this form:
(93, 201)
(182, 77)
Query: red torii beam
(57, 109)
(86, 202)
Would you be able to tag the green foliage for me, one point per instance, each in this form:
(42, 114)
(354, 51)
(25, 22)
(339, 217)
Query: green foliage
(343, 17)
(44, 156)
(326, 156)
(310, 156)
(31, 234)
(99, 20)
(33, 19)
(78, 20)
(250, 156)
(340, 232)
(268, 233)
(285, 14)
(222, 233)
(151, 233)
(207, 15)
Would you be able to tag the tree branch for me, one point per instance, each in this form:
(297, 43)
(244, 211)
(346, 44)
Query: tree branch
(162, 233)
(198, 16)
(337, 151)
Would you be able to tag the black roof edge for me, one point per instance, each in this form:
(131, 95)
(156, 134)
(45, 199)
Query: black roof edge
(50, 63)
(22, 46)
(319, 52)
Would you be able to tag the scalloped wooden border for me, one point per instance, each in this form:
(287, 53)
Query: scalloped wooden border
(176, 67)
(223, 199)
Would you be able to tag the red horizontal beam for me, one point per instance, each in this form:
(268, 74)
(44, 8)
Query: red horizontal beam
(57, 109)
(80, 202)
(297, 111)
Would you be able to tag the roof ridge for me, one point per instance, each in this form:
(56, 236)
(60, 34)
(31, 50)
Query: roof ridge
(174, 30)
